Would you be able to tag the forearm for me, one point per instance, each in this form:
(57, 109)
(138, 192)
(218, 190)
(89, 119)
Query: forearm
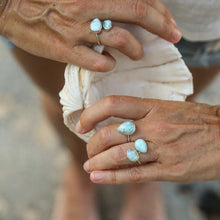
(3, 5)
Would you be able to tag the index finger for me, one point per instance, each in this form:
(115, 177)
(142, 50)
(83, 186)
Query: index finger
(149, 14)
(125, 107)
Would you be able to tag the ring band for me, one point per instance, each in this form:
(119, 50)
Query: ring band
(127, 128)
(96, 27)
(97, 38)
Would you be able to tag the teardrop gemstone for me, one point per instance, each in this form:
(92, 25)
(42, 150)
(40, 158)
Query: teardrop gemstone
(141, 145)
(107, 25)
(127, 128)
(132, 155)
(96, 25)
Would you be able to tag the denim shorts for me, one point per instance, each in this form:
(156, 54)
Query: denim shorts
(200, 54)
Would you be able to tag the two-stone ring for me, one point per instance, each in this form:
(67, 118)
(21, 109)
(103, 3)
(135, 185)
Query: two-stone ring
(96, 27)
(128, 128)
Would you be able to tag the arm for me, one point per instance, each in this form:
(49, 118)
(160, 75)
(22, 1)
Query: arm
(183, 141)
(59, 30)
(3, 4)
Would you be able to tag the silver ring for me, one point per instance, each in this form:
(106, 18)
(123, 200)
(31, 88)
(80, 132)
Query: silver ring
(97, 38)
(127, 128)
(134, 154)
(96, 27)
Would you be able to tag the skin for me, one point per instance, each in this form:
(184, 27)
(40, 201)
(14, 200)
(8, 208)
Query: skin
(59, 29)
(183, 140)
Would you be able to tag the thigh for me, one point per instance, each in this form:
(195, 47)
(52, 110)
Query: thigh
(202, 77)
(47, 74)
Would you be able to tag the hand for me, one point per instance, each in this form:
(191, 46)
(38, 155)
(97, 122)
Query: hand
(183, 141)
(59, 29)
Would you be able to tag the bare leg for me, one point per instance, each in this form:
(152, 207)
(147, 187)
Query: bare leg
(76, 199)
(143, 201)
(202, 77)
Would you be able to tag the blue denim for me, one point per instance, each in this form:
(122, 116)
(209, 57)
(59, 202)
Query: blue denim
(9, 44)
(200, 54)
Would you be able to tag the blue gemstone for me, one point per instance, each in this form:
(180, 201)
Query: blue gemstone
(127, 128)
(132, 155)
(141, 145)
(107, 25)
(96, 25)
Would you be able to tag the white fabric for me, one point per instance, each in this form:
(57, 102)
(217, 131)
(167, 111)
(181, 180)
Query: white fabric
(199, 20)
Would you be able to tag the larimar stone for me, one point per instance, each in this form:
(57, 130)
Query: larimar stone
(132, 155)
(107, 25)
(127, 128)
(140, 145)
(96, 25)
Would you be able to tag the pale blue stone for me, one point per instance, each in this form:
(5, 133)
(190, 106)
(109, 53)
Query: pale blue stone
(107, 25)
(141, 145)
(96, 25)
(132, 155)
(127, 128)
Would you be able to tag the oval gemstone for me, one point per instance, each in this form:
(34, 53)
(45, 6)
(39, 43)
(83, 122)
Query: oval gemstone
(132, 155)
(107, 25)
(96, 25)
(141, 145)
(127, 128)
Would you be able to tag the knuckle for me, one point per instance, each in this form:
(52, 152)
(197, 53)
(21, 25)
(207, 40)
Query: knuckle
(166, 27)
(167, 13)
(104, 134)
(140, 9)
(113, 178)
(118, 154)
(137, 54)
(89, 151)
(121, 38)
(99, 65)
(162, 128)
(135, 174)
(109, 103)
(79, 7)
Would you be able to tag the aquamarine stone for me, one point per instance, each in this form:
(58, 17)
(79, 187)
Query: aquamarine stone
(96, 25)
(107, 25)
(127, 128)
(132, 155)
(140, 145)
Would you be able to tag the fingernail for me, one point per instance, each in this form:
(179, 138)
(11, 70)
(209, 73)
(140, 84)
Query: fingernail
(173, 21)
(86, 166)
(97, 177)
(78, 127)
(176, 35)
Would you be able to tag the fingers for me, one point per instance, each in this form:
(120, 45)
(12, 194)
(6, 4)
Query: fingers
(94, 60)
(150, 14)
(137, 174)
(119, 39)
(116, 157)
(118, 106)
(110, 136)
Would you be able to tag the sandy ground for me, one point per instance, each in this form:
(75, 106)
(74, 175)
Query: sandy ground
(32, 159)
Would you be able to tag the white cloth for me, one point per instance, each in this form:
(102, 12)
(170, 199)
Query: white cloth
(199, 20)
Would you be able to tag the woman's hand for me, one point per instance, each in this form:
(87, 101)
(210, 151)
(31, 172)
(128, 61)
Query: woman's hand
(60, 29)
(183, 141)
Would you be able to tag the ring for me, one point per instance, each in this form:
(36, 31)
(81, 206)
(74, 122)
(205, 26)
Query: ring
(134, 154)
(127, 128)
(96, 27)
(107, 25)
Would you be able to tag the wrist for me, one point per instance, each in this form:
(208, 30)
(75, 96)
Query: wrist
(3, 9)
